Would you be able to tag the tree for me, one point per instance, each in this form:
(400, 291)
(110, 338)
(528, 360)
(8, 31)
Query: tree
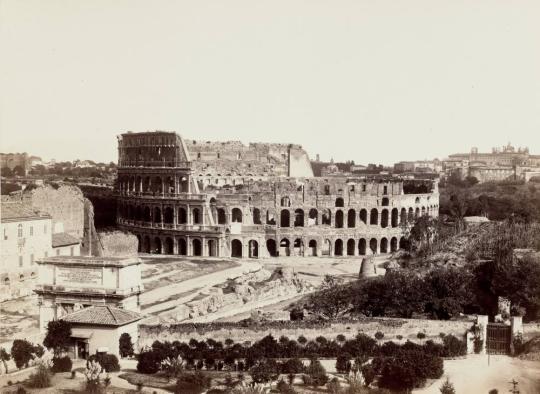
(333, 300)
(4, 358)
(19, 170)
(58, 336)
(265, 371)
(449, 290)
(22, 352)
(125, 345)
(317, 373)
(6, 171)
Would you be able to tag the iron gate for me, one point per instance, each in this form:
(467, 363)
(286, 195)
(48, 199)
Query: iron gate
(498, 338)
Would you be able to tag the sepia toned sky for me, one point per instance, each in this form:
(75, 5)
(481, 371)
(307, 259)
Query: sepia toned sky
(372, 81)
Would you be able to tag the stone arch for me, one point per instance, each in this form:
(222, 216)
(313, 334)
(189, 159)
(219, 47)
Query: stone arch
(402, 243)
(270, 218)
(212, 250)
(168, 215)
(362, 247)
(417, 200)
(403, 216)
(182, 215)
(374, 217)
(197, 247)
(285, 247)
(236, 248)
(139, 243)
(338, 247)
(363, 215)
(312, 245)
(157, 215)
(385, 202)
(169, 246)
(339, 202)
(326, 248)
(146, 184)
(393, 245)
(157, 185)
(394, 218)
(221, 216)
(423, 211)
(285, 201)
(253, 247)
(257, 216)
(236, 214)
(373, 245)
(327, 217)
(147, 247)
(298, 247)
(339, 218)
(417, 213)
(410, 216)
(182, 246)
(384, 245)
(299, 218)
(313, 217)
(271, 247)
(157, 245)
(147, 217)
(351, 245)
(384, 218)
(351, 218)
(196, 216)
(285, 220)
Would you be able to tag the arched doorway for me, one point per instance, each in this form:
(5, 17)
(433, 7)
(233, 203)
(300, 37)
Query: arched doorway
(157, 215)
(222, 217)
(236, 248)
(363, 216)
(312, 247)
(157, 245)
(299, 218)
(313, 219)
(169, 246)
(285, 247)
(196, 216)
(285, 218)
(393, 245)
(395, 217)
(182, 246)
(212, 248)
(339, 219)
(236, 215)
(197, 247)
(147, 246)
(384, 245)
(253, 249)
(271, 247)
(362, 247)
(350, 247)
(338, 251)
(374, 217)
(298, 247)
(351, 218)
(384, 218)
(257, 216)
(326, 248)
(373, 245)
(182, 216)
(139, 244)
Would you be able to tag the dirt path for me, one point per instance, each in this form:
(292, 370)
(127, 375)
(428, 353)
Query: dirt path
(473, 375)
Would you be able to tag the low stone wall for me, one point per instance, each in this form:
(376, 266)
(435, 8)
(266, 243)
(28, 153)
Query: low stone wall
(242, 332)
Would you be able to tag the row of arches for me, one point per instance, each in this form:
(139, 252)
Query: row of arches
(153, 184)
(180, 246)
(337, 247)
(159, 215)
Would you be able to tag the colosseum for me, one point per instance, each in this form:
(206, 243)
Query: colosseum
(226, 199)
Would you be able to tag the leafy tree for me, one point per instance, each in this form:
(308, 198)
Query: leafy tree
(265, 371)
(18, 170)
(125, 345)
(448, 290)
(332, 301)
(6, 171)
(58, 336)
(4, 358)
(22, 352)
(317, 373)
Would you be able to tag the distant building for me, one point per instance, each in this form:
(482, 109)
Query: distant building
(15, 161)
(26, 236)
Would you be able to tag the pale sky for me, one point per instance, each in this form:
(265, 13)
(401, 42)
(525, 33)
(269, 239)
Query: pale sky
(372, 81)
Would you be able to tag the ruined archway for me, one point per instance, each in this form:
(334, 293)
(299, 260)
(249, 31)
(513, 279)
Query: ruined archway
(384, 245)
(327, 217)
(236, 215)
(169, 246)
(222, 216)
(373, 245)
(212, 250)
(312, 247)
(338, 247)
(298, 247)
(395, 217)
(326, 248)
(196, 216)
(182, 216)
(253, 249)
(374, 217)
(182, 246)
(168, 215)
(339, 202)
(384, 218)
(197, 247)
(271, 247)
(257, 216)
(299, 218)
(363, 216)
(285, 220)
(403, 216)
(362, 247)
(285, 247)
(339, 219)
(157, 246)
(313, 218)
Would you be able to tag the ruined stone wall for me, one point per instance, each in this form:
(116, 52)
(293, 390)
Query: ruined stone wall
(65, 205)
(407, 328)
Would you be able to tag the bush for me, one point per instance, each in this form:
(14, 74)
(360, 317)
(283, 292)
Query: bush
(379, 335)
(368, 373)
(21, 390)
(41, 378)
(265, 371)
(454, 347)
(408, 370)
(447, 388)
(333, 386)
(61, 364)
(343, 364)
(317, 373)
(292, 365)
(109, 362)
(420, 335)
(22, 352)
(285, 388)
(192, 383)
(149, 362)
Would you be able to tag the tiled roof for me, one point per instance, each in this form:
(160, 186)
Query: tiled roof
(63, 239)
(103, 315)
(17, 210)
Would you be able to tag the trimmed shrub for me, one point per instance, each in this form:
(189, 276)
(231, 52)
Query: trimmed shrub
(192, 383)
(317, 373)
(109, 362)
(454, 347)
(343, 364)
(149, 362)
(61, 364)
(379, 335)
(420, 335)
(265, 371)
(125, 345)
(292, 365)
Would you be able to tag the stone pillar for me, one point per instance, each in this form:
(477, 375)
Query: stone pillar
(188, 212)
(204, 247)
(189, 249)
(482, 321)
(517, 326)
(175, 244)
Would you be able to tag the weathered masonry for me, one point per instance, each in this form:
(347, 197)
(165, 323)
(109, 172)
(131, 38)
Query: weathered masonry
(174, 209)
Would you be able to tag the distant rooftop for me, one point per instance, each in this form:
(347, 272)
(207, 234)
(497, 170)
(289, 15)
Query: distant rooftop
(14, 211)
(63, 239)
(103, 315)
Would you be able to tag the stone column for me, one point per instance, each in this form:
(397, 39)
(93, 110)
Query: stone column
(175, 245)
(517, 326)
(204, 247)
(482, 321)
(189, 249)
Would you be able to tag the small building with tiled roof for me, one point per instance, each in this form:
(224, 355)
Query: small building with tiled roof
(25, 236)
(98, 329)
